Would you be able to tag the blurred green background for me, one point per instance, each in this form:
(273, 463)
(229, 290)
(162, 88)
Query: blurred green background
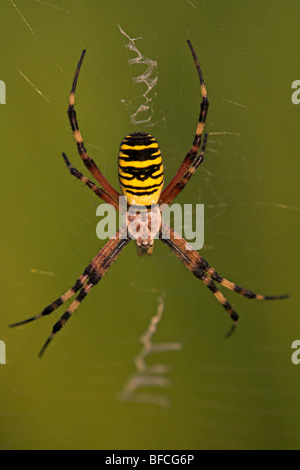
(240, 393)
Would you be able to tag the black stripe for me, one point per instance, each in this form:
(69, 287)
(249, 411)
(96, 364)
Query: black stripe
(82, 293)
(230, 310)
(144, 187)
(95, 278)
(139, 155)
(141, 173)
(89, 269)
(244, 292)
(237, 289)
(142, 193)
(212, 286)
(78, 285)
(234, 316)
(53, 306)
(138, 138)
(202, 264)
(142, 176)
(72, 118)
(197, 271)
(215, 276)
(81, 148)
(61, 322)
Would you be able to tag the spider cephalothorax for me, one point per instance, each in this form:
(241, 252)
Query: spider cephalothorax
(143, 226)
(141, 180)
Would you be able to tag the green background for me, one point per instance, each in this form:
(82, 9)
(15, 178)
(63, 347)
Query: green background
(235, 394)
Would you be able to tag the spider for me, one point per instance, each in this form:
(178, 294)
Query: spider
(141, 180)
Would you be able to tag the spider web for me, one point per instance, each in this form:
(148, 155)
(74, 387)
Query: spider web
(141, 114)
(150, 375)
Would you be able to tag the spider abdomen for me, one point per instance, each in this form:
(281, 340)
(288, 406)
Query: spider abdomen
(141, 172)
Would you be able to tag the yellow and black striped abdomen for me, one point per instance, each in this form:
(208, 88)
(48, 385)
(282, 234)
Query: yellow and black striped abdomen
(141, 173)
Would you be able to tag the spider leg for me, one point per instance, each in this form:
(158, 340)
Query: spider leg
(99, 267)
(64, 318)
(192, 154)
(67, 295)
(58, 302)
(92, 273)
(89, 163)
(201, 269)
(199, 262)
(100, 192)
(184, 256)
(186, 178)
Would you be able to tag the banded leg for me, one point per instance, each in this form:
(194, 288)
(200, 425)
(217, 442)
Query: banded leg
(58, 302)
(91, 276)
(201, 269)
(186, 178)
(192, 154)
(184, 257)
(100, 192)
(89, 163)
(199, 262)
(64, 318)
(108, 255)
(72, 291)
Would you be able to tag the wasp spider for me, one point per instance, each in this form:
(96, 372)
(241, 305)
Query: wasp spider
(141, 180)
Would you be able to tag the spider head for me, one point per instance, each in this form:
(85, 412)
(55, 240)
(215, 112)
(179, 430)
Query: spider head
(143, 226)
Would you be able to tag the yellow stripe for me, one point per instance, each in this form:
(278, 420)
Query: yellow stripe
(121, 154)
(230, 285)
(139, 147)
(136, 164)
(157, 173)
(129, 136)
(142, 184)
(132, 169)
(72, 99)
(77, 136)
